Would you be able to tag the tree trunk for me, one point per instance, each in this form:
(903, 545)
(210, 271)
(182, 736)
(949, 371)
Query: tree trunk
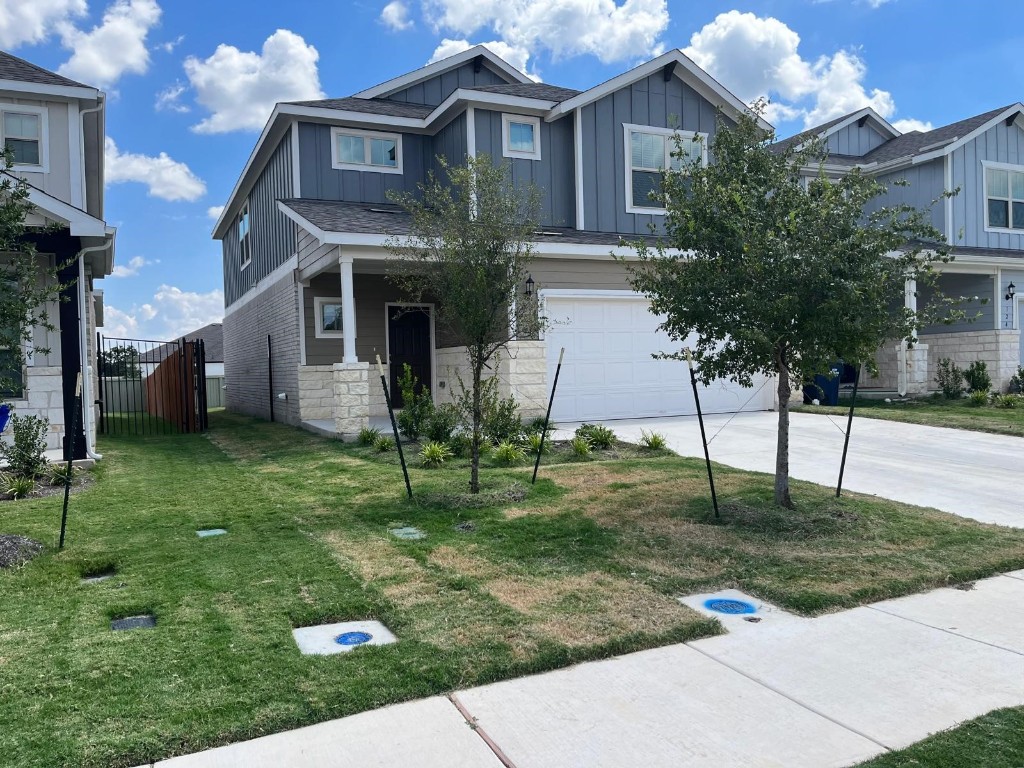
(782, 497)
(474, 476)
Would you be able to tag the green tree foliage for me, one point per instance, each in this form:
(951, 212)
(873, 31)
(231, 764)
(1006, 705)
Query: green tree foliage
(122, 360)
(468, 248)
(781, 270)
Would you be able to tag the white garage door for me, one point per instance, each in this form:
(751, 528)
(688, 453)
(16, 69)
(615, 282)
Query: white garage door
(608, 371)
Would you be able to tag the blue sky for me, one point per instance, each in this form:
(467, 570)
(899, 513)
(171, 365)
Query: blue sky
(190, 84)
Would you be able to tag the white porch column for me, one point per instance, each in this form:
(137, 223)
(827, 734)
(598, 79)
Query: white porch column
(348, 307)
(914, 368)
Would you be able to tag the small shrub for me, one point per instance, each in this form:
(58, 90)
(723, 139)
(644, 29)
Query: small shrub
(536, 444)
(501, 420)
(368, 435)
(383, 444)
(19, 487)
(58, 474)
(417, 407)
(25, 455)
(536, 426)
(442, 423)
(508, 453)
(977, 377)
(979, 397)
(580, 446)
(460, 443)
(1017, 381)
(599, 437)
(950, 378)
(434, 454)
(652, 441)
(1007, 401)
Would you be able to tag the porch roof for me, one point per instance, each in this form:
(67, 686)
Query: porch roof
(386, 220)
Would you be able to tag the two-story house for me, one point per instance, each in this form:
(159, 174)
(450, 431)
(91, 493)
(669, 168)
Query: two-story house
(308, 306)
(55, 128)
(982, 159)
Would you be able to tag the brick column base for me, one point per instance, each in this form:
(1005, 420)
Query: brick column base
(351, 399)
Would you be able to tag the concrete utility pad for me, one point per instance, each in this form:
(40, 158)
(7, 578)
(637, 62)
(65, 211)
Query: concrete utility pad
(97, 578)
(133, 622)
(210, 532)
(668, 707)
(426, 734)
(890, 679)
(764, 614)
(975, 613)
(328, 639)
(408, 533)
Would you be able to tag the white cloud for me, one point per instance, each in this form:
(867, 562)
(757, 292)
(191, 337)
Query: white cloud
(32, 21)
(240, 88)
(170, 45)
(611, 32)
(757, 56)
(132, 268)
(170, 314)
(517, 57)
(214, 212)
(909, 124)
(118, 45)
(166, 178)
(396, 16)
(169, 99)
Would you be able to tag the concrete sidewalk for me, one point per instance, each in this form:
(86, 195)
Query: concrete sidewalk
(972, 474)
(789, 691)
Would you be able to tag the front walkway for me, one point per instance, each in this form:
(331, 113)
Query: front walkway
(972, 474)
(829, 691)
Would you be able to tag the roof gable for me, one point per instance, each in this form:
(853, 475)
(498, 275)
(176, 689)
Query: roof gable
(498, 65)
(18, 70)
(867, 115)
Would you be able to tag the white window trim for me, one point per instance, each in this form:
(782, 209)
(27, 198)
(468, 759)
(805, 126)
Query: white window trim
(245, 211)
(627, 128)
(318, 303)
(989, 164)
(506, 151)
(44, 135)
(365, 167)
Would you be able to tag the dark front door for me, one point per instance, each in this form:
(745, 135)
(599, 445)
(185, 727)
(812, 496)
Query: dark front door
(408, 344)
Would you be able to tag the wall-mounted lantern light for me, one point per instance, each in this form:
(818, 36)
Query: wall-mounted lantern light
(1011, 291)
(529, 284)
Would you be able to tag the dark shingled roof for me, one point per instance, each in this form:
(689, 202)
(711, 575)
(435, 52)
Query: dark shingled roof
(213, 342)
(13, 68)
(383, 219)
(530, 91)
(810, 133)
(912, 143)
(369, 106)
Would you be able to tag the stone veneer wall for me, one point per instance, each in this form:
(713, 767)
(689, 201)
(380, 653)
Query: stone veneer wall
(1000, 349)
(522, 373)
(351, 398)
(44, 397)
(316, 392)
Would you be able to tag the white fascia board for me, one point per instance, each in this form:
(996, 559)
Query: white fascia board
(43, 89)
(700, 80)
(432, 70)
(79, 222)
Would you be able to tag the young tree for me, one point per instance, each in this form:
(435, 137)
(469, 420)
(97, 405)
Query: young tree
(121, 360)
(781, 277)
(468, 247)
(27, 285)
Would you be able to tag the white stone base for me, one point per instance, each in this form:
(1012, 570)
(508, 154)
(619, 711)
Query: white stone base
(316, 392)
(351, 398)
(44, 397)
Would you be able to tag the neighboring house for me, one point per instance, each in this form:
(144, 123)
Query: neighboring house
(55, 127)
(983, 158)
(305, 227)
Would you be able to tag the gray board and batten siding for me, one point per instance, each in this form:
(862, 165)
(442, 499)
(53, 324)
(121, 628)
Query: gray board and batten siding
(649, 101)
(979, 308)
(271, 233)
(435, 90)
(1001, 144)
(553, 174)
(923, 189)
(854, 140)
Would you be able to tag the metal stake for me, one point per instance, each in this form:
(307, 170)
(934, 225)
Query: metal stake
(70, 451)
(849, 426)
(394, 425)
(703, 436)
(547, 416)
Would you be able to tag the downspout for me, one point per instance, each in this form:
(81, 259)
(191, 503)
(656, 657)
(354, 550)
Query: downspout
(87, 405)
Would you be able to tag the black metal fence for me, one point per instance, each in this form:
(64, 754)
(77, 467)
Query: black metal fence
(149, 387)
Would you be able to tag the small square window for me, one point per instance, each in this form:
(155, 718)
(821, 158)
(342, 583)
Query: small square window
(327, 312)
(350, 149)
(384, 152)
(520, 137)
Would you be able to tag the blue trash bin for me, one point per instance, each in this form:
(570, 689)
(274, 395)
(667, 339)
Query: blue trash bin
(5, 416)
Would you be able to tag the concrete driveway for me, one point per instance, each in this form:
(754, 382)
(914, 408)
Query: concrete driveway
(972, 474)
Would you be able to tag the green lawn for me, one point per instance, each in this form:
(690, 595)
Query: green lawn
(585, 564)
(935, 412)
(995, 740)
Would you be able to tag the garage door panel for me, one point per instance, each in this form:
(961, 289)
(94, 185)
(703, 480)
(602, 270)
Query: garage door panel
(609, 371)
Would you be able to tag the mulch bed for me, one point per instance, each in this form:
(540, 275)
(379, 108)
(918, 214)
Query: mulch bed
(17, 550)
(83, 479)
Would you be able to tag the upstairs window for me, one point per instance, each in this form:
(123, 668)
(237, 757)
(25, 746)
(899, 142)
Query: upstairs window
(366, 151)
(1004, 197)
(23, 130)
(244, 239)
(649, 152)
(520, 137)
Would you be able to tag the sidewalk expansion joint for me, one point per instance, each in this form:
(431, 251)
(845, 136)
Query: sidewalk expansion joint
(472, 723)
(947, 631)
(798, 702)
